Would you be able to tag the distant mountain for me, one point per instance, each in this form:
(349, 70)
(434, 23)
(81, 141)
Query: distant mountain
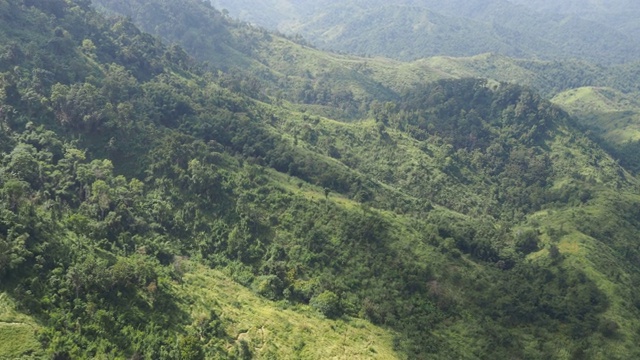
(410, 29)
(621, 15)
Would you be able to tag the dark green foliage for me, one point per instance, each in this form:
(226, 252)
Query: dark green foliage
(327, 303)
(527, 241)
(190, 348)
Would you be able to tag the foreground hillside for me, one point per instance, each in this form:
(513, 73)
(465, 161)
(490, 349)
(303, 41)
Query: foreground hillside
(152, 209)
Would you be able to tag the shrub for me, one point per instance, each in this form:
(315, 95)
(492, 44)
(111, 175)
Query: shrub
(328, 303)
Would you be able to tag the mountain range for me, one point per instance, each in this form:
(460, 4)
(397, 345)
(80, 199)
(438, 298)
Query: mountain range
(178, 184)
(411, 29)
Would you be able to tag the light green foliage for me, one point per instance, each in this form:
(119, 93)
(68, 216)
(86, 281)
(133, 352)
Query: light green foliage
(271, 330)
(613, 117)
(17, 332)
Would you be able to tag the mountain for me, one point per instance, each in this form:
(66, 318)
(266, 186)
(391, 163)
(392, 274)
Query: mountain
(411, 29)
(159, 207)
(617, 14)
(284, 68)
(342, 86)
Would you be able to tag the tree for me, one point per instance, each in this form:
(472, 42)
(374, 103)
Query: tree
(328, 303)
(190, 348)
(13, 192)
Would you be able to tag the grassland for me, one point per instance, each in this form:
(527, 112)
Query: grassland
(18, 333)
(614, 114)
(278, 330)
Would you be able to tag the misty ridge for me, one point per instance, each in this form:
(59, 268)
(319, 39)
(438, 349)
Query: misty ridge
(601, 32)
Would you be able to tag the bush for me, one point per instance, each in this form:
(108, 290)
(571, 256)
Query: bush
(328, 303)
(269, 286)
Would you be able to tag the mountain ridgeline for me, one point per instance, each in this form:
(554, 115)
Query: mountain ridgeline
(156, 206)
(411, 29)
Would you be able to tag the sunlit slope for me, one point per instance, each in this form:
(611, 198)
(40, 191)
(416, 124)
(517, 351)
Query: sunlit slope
(18, 332)
(273, 330)
(614, 114)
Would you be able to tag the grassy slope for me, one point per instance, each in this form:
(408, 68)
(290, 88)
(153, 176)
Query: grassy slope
(599, 262)
(277, 330)
(616, 115)
(17, 332)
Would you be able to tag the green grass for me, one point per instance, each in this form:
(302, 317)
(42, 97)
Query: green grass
(274, 328)
(614, 114)
(599, 262)
(17, 333)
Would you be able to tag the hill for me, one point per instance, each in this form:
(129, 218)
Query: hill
(408, 30)
(611, 115)
(618, 14)
(154, 209)
(273, 68)
(275, 61)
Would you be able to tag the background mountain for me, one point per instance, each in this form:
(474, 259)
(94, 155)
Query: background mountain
(154, 206)
(617, 14)
(410, 29)
(342, 87)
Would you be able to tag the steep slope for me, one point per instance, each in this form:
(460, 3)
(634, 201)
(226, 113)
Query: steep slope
(278, 331)
(270, 67)
(17, 332)
(468, 218)
(612, 116)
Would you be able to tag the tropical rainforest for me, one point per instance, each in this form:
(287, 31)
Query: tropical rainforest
(177, 184)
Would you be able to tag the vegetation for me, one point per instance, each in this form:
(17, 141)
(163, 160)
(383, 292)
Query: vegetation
(612, 116)
(152, 208)
(410, 30)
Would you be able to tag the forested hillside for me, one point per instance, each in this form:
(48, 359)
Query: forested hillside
(411, 29)
(156, 206)
(343, 87)
(618, 14)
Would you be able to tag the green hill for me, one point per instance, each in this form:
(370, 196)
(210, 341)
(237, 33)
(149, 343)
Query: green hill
(153, 209)
(611, 115)
(282, 68)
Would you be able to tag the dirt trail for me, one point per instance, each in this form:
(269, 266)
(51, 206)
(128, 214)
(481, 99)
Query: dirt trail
(3, 323)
